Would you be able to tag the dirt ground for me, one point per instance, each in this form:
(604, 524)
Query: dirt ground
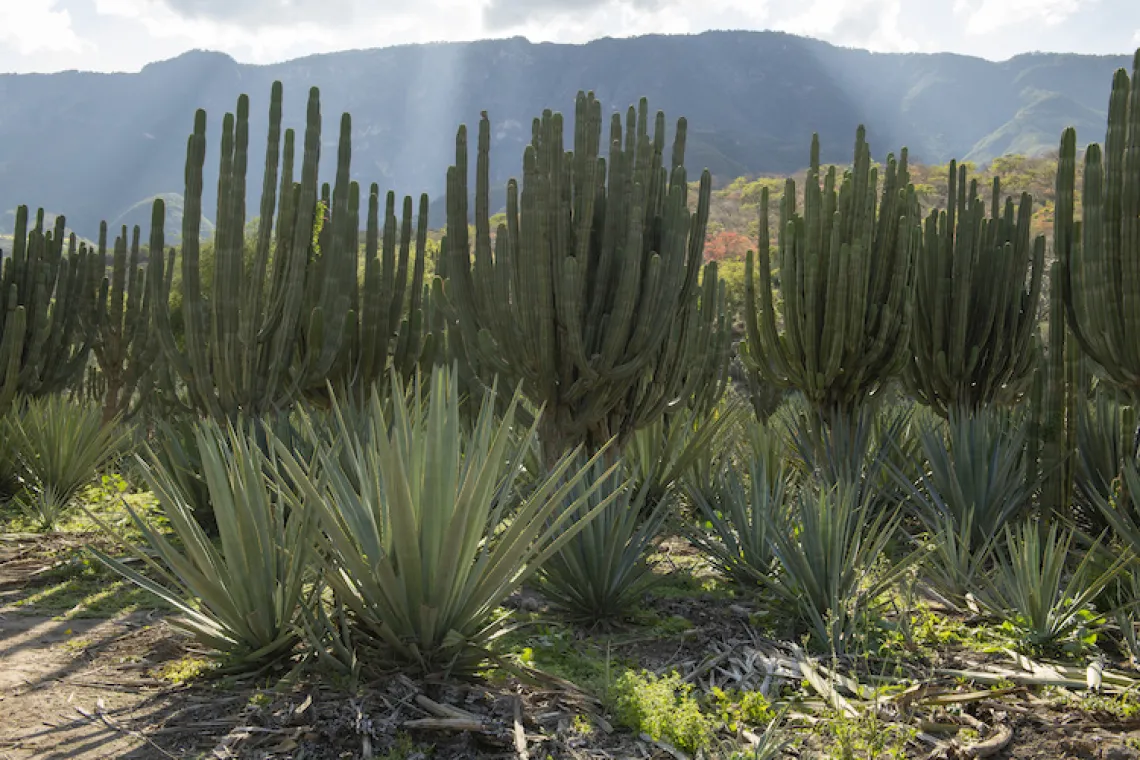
(87, 687)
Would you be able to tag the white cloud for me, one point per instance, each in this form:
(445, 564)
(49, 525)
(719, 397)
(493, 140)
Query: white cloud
(49, 35)
(36, 26)
(871, 24)
(315, 33)
(988, 16)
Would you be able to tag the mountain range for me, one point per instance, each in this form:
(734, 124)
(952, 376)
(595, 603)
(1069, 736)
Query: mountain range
(98, 146)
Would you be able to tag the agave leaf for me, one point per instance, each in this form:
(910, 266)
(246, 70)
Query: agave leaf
(977, 481)
(830, 566)
(741, 516)
(243, 595)
(1028, 587)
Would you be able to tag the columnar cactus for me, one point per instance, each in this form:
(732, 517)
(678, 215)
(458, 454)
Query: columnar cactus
(1101, 255)
(387, 326)
(1059, 384)
(846, 284)
(13, 327)
(978, 288)
(48, 308)
(271, 327)
(590, 293)
(126, 349)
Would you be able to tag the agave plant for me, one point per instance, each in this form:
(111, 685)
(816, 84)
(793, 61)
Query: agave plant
(683, 444)
(1105, 431)
(832, 568)
(242, 595)
(1032, 589)
(422, 535)
(859, 451)
(978, 471)
(976, 482)
(741, 517)
(1119, 509)
(61, 445)
(601, 573)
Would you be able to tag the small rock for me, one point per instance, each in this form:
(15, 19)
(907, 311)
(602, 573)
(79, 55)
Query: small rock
(1119, 752)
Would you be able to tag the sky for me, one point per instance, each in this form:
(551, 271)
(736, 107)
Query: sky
(125, 35)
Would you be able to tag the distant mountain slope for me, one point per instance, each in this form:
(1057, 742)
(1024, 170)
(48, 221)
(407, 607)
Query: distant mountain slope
(95, 144)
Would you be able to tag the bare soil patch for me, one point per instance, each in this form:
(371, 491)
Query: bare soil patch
(76, 685)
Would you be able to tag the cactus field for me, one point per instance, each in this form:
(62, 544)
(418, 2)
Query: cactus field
(345, 474)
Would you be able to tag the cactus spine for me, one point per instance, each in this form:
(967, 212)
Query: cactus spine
(846, 282)
(589, 294)
(126, 349)
(1101, 255)
(47, 303)
(975, 319)
(273, 328)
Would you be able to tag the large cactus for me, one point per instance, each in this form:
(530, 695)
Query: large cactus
(48, 308)
(387, 325)
(126, 348)
(13, 327)
(1101, 255)
(590, 293)
(846, 284)
(271, 327)
(1060, 382)
(976, 304)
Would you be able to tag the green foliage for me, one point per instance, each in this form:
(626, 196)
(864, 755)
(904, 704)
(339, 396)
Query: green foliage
(834, 566)
(1033, 590)
(242, 595)
(601, 572)
(61, 446)
(412, 513)
(738, 709)
(663, 708)
(867, 737)
(740, 514)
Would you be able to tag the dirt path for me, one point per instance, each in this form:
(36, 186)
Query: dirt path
(79, 688)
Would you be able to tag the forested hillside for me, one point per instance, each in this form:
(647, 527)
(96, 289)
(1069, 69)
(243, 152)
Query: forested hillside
(100, 146)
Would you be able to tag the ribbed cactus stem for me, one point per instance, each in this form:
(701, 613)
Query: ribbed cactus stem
(274, 322)
(126, 348)
(589, 293)
(846, 283)
(48, 304)
(1101, 254)
(978, 289)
